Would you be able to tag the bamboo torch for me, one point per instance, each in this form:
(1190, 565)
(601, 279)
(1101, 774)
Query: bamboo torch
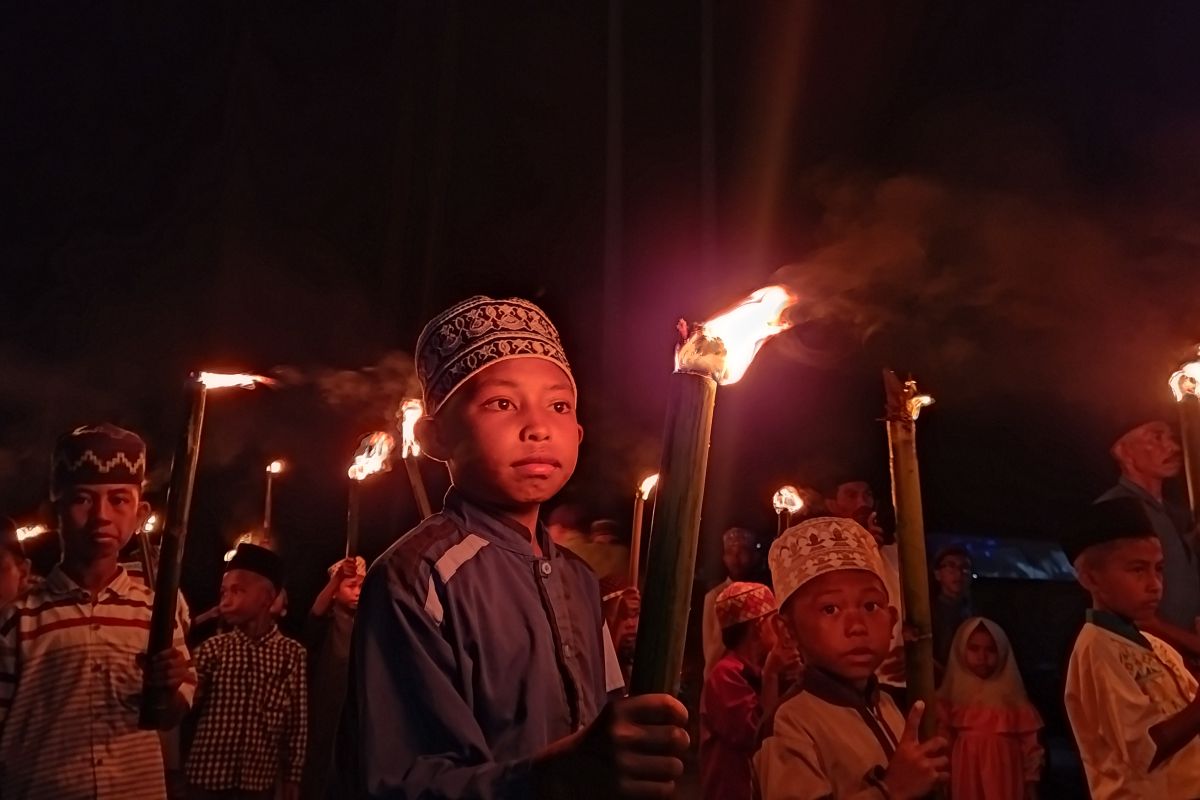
(146, 547)
(639, 512)
(274, 468)
(155, 709)
(371, 458)
(904, 404)
(715, 352)
(1185, 384)
(786, 501)
(27, 532)
(411, 411)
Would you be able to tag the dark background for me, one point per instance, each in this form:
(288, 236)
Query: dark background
(998, 197)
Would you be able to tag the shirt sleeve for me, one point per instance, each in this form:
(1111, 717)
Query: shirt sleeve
(732, 709)
(296, 729)
(788, 766)
(1033, 756)
(415, 734)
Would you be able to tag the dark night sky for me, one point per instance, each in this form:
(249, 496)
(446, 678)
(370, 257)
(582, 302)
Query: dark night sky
(999, 197)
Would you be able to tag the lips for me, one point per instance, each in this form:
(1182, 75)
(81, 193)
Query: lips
(537, 466)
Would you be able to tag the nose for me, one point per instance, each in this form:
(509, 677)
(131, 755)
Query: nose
(856, 623)
(535, 428)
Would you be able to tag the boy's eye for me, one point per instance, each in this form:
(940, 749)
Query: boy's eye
(561, 407)
(871, 606)
(829, 610)
(499, 404)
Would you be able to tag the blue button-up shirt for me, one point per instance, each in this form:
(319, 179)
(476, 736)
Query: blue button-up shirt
(1180, 603)
(470, 654)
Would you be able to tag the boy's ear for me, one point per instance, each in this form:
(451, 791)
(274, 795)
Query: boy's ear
(143, 514)
(429, 434)
(580, 433)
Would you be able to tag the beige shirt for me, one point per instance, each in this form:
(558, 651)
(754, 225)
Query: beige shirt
(714, 648)
(1117, 689)
(827, 741)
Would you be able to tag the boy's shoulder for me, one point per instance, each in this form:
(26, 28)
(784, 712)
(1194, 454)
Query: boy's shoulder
(420, 548)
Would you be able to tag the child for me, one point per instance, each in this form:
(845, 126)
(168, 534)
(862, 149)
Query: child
(988, 719)
(251, 704)
(14, 566)
(838, 735)
(480, 665)
(742, 683)
(72, 648)
(951, 601)
(742, 560)
(1130, 699)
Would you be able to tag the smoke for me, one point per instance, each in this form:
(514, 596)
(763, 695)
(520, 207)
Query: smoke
(374, 391)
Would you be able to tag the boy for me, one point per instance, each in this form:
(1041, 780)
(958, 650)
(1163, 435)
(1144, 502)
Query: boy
(744, 682)
(1131, 701)
(741, 557)
(838, 735)
(14, 566)
(252, 701)
(480, 665)
(72, 649)
(330, 623)
(951, 606)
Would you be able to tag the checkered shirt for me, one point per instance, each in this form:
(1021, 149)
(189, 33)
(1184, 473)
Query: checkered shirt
(251, 713)
(70, 691)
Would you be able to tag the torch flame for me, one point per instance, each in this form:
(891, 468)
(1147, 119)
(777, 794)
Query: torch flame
(30, 532)
(647, 486)
(1186, 380)
(372, 455)
(788, 499)
(916, 403)
(275, 467)
(151, 524)
(245, 538)
(410, 411)
(725, 345)
(221, 380)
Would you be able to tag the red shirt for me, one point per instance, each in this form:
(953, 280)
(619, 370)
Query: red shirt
(730, 711)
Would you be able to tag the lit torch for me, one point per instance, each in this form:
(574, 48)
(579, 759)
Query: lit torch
(146, 547)
(155, 708)
(411, 411)
(904, 404)
(718, 351)
(27, 532)
(274, 468)
(371, 458)
(1185, 384)
(639, 512)
(787, 501)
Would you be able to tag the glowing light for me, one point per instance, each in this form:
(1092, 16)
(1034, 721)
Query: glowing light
(725, 345)
(221, 380)
(1186, 380)
(918, 402)
(411, 410)
(372, 456)
(27, 532)
(787, 499)
(276, 467)
(647, 486)
(151, 524)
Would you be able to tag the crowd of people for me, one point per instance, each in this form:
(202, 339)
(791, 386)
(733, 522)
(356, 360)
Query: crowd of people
(486, 653)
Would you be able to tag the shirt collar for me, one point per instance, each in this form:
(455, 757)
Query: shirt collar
(826, 686)
(266, 637)
(60, 583)
(496, 526)
(1139, 492)
(1116, 624)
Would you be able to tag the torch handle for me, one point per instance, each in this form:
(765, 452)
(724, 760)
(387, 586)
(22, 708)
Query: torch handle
(635, 540)
(1189, 435)
(674, 536)
(156, 702)
(352, 519)
(418, 487)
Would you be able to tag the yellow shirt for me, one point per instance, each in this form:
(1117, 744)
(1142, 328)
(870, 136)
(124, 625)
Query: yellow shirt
(1117, 689)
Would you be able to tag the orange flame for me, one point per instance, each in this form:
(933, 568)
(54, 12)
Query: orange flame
(1186, 380)
(30, 531)
(221, 380)
(787, 499)
(411, 410)
(245, 538)
(372, 456)
(725, 345)
(151, 524)
(918, 402)
(647, 486)
(276, 467)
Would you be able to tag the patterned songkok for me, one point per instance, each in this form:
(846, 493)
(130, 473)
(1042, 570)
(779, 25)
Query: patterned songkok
(98, 454)
(817, 546)
(742, 602)
(476, 333)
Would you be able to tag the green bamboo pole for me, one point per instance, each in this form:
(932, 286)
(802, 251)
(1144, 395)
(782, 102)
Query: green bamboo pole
(418, 486)
(352, 518)
(674, 535)
(903, 407)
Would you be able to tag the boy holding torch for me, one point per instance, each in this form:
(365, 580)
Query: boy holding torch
(71, 648)
(480, 665)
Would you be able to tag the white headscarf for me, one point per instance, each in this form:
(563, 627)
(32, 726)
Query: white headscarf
(961, 686)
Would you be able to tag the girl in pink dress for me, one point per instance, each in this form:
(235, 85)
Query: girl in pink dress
(988, 719)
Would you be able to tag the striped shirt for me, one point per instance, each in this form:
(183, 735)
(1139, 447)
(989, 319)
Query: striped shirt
(70, 690)
(252, 712)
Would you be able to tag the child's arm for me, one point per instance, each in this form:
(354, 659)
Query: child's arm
(733, 708)
(1174, 733)
(296, 727)
(347, 568)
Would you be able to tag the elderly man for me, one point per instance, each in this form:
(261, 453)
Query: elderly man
(1148, 455)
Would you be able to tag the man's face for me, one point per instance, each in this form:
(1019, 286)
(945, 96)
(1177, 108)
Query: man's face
(99, 519)
(511, 434)
(1152, 450)
(739, 557)
(245, 596)
(14, 575)
(842, 622)
(953, 575)
(855, 499)
(981, 654)
(1125, 576)
(348, 592)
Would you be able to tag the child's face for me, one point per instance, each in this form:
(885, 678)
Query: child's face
(953, 574)
(842, 623)
(99, 519)
(348, 592)
(1125, 576)
(245, 596)
(511, 434)
(14, 573)
(982, 656)
(739, 558)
